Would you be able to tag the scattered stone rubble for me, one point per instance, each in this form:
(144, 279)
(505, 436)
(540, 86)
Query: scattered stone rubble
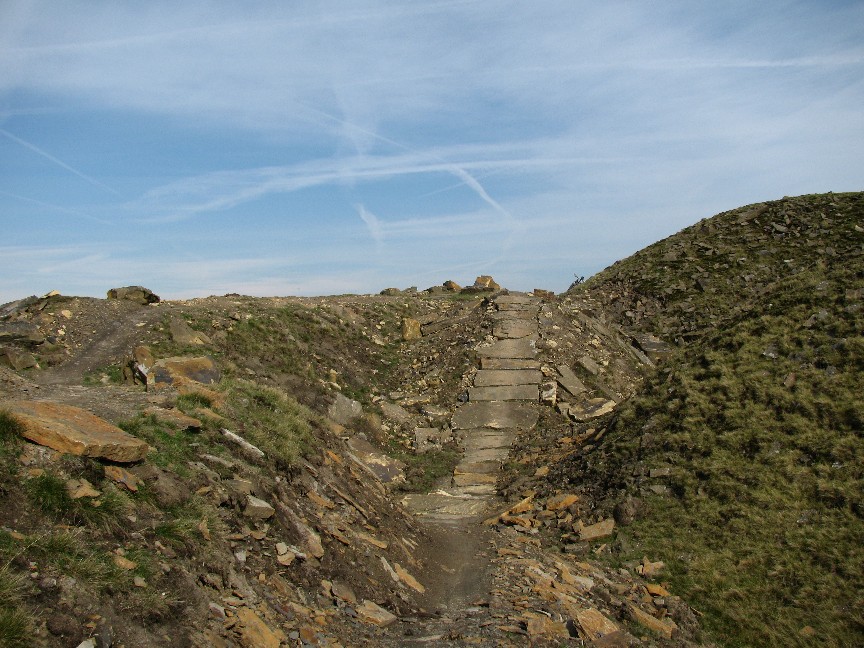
(326, 556)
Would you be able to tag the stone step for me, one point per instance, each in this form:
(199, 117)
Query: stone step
(509, 363)
(495, 415)
(521, 348)
(488, 442)
(504, 393)
(515, 299)
(513, 316)
(456, 506)
(530, 393)
(467, 467)
(475, 479)
(480, 490)
(507, 377)
(484, 454)
(514, 328)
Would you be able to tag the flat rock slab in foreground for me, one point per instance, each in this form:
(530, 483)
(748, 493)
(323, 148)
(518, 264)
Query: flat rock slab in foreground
(75, 431)
(495, 415)
(445, 505)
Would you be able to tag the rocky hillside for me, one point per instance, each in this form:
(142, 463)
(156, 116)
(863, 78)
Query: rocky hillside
(668, 455)
(742, 460)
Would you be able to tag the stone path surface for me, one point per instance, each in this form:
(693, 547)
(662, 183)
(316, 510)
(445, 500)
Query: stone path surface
(501, 403)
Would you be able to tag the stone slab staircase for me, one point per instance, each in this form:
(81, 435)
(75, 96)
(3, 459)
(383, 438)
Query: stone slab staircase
(501, 403)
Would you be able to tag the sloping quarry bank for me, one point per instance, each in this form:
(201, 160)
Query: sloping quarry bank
(288, 470)
(667, 455)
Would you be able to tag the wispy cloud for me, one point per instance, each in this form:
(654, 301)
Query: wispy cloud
(58, 162)
(372, 224)
(467, 135)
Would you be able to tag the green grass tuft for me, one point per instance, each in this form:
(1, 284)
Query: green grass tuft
(15, 628)
(271, 420)
(48, 492)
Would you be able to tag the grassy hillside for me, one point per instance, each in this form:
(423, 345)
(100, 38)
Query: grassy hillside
(745, 453)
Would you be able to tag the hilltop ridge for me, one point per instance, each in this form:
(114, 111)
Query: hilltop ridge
(669, 454)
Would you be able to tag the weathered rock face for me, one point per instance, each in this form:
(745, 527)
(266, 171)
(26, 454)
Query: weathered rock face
(343, 410)
(410, 329)
(254, 632)
(385, 468)
(174, 371)
(21, 333)
(138, 294)
(452, 286)
(75, 431)
(17, 359)
(483, 283)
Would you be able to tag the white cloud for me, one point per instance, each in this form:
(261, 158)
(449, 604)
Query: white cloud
(467, 135)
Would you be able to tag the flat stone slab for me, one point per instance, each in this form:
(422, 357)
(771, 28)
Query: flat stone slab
(483, 455)
(479, 490)
(570, 381)
(75, 431)
(485, 467)
(513, 316)
(516, 299)
(474, 479)
(495, 415)
(507, 377)
(509, 363)
(444, 504)
(516, 303)
(504, 393)
(521, 348)
(501, 441)
(514, 328)
(385, 468)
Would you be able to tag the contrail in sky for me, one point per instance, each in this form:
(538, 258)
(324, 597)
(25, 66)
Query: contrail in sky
(64, 210)
(456, 170)
(53, 159)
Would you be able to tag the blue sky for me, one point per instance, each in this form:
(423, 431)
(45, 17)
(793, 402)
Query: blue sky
(310, 148)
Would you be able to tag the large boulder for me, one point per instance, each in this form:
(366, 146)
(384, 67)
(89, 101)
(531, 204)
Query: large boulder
(137, 294)
(179, 370)
(23, 333)
(75, 431)
(482, 284)
(17, 359)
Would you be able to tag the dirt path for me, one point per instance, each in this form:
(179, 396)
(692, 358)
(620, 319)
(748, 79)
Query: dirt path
(111, 342)
(502, 402)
